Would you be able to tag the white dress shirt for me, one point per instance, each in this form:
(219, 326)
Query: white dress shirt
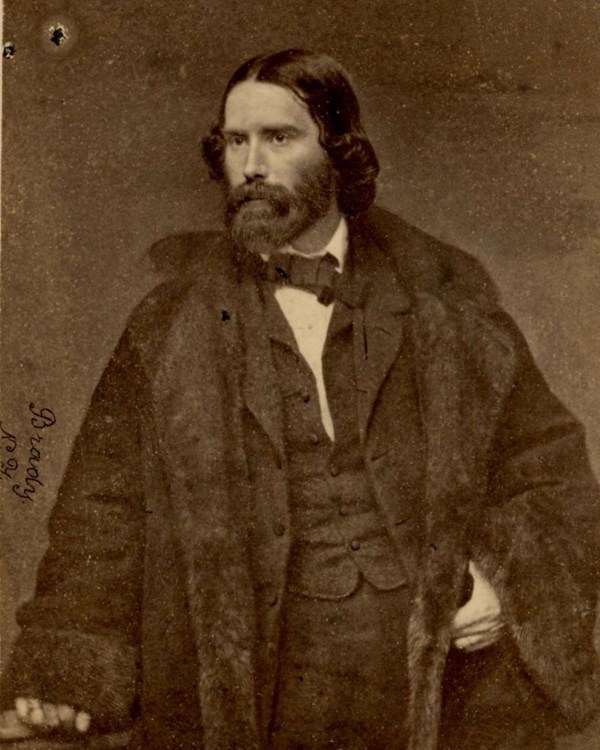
(309, 319)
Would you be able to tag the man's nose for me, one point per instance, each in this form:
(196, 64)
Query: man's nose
(255, 166)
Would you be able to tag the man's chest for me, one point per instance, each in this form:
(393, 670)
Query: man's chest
(312, 347)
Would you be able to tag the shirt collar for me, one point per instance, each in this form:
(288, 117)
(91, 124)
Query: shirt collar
(337, 245)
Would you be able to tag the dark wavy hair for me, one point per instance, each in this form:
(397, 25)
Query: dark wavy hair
(323, 85)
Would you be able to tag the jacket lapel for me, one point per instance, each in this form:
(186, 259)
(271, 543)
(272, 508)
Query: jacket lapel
(260, 389)
(379, 323)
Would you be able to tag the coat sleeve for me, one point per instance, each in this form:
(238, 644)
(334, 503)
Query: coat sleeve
(80, 633)
(541, 536)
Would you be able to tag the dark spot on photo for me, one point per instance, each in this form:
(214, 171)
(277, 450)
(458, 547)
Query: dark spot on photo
(57, 35)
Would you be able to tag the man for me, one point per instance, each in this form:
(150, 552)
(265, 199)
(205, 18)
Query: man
(323, 497)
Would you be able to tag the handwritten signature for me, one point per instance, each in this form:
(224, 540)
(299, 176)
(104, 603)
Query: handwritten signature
(26, 473)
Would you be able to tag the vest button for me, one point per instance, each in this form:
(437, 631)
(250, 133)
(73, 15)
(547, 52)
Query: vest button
(344, 510)
(334, 470)
(355, 545)
(279, 529)
(306, 397)
(314, 438)
(272, 600)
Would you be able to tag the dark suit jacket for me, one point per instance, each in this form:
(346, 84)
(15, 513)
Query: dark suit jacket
(164, 531)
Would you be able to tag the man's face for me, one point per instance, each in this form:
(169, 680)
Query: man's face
(279, 178)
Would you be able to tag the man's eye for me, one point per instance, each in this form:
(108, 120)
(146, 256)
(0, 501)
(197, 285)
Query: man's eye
(235, 140)
(280, 138)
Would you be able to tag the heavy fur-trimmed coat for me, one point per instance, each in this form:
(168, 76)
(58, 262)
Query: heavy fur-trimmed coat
(163, 532)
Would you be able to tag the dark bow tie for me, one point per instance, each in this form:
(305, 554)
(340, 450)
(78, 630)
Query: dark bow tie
(317, 275)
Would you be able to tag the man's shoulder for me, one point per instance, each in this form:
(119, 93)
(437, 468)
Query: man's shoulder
(191, 259)
(191, 255)
(427, 264)
(191, 263)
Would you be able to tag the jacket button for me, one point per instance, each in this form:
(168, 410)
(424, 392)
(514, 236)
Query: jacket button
(355, 545)
(272, 600)
(314, 438)
(334, 470)
(306, 397)
(344, 510)
(279, 529)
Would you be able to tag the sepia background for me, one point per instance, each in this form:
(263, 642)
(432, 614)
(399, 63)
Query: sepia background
(485, 115)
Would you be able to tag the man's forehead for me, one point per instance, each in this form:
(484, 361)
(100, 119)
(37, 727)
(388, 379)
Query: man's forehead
(252, 104)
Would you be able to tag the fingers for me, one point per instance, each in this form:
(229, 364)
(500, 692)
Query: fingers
(464, 627)
(477, 613)
(48, 716)
(82, 722)
(476, 642)
(25, 706)
(462, 624)
(479, 628)
(483, 605)
(12, 728)
(66, 715)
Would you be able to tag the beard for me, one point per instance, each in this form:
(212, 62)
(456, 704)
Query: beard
(262, 218)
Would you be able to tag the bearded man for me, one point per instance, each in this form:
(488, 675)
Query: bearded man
(323, 497)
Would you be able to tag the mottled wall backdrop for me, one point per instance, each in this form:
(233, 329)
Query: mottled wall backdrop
(485, 115)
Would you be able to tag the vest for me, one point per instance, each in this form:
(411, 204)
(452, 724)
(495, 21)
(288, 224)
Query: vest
(338, 533)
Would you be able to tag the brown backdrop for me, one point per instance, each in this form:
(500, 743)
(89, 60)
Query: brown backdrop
(485, 116)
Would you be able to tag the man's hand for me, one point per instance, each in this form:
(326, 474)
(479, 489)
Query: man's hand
(47, 716)
(478, 624)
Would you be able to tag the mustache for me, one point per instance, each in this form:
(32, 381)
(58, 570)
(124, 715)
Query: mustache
(279, 197)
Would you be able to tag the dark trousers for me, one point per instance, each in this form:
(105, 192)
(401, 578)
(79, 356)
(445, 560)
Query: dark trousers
(343, 679)
(491, 703)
